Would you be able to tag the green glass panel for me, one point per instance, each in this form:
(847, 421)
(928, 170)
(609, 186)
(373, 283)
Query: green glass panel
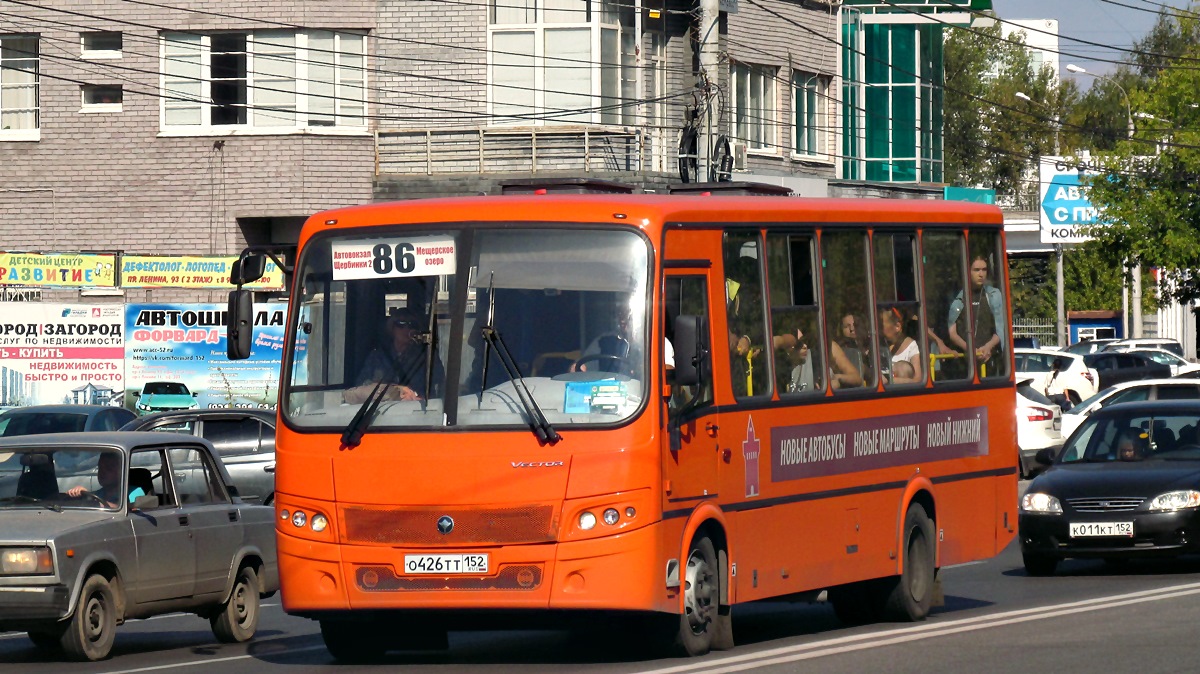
(904, 171)
(904, 121)
(877, 125)
(904, 54)
(876, 50)
(879, 170)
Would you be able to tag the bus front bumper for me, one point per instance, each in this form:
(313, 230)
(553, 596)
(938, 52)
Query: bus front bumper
(618, 572)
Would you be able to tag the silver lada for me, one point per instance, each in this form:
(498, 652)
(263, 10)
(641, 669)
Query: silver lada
(100, 528)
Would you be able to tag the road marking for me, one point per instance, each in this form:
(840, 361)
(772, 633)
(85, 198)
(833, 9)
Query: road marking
(808, 651)
(210, 661)
(959, 566)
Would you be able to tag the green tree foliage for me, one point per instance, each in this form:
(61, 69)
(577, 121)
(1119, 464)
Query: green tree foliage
(1149, 189)
(992, 137)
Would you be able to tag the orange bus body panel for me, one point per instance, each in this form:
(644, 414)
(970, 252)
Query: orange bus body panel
(793, 535)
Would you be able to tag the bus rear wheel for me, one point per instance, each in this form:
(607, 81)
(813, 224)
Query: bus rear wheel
(909, 596)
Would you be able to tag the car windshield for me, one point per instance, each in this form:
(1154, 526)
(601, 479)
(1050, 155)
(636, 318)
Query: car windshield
(38, 423)
(58, 478)
(168, 388)
(1134, 436)
(443, 325)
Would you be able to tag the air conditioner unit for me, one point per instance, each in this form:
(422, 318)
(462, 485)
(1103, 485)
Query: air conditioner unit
(738, 148)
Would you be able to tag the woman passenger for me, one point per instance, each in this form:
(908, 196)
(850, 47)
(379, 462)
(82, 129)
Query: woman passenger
(901, 347)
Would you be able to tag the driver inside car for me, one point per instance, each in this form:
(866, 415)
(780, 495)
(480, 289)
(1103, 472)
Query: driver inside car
(108, 474)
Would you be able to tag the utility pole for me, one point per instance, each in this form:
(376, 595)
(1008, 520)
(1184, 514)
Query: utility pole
(710, 12)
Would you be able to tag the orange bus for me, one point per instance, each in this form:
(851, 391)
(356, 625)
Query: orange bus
(543, 406)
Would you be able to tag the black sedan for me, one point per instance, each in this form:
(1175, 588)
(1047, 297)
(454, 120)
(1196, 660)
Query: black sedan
(1126, 484)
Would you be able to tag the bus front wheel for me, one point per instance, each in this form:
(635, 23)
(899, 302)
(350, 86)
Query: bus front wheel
(703, 625)
(352, 641)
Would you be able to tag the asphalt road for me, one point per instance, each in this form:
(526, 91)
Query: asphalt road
(1090, 616)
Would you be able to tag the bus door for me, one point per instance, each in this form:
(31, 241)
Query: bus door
(692, 458)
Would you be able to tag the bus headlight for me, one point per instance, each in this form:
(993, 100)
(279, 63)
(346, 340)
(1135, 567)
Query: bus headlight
(611, 516)
(319, 522)
(587, 520)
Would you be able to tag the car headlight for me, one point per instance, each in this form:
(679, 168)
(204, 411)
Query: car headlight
(143, 406)
(25, 561)
(1176, 500)
(1043, 504)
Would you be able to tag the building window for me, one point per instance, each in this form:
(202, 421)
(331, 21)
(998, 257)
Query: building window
(101, 45)
(811, 106)
(561, 62)
(264, 80)
(19, 81)
(101, 97)
(754, 116)
(893, 102)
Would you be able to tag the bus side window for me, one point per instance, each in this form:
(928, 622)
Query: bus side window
(795, 316)
(748, 359)
(686, 296)
(899, 309)
(848, 303)
(944, 271)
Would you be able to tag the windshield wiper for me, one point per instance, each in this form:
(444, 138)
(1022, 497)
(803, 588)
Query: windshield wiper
(352, 436)
(21, 498)
(537, 420)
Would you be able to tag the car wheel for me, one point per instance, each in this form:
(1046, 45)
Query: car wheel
(90, 632)
(47, 640)
(908, 597)
(1038, 565)
(352, 641)
(238, 618)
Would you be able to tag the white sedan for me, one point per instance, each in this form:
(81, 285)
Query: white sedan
(1075, 379)
(1131, 391)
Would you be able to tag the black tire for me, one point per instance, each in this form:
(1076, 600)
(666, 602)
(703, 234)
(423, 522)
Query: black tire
(854, 604)
(352, 641)
(702, 619)
(1038, 565)
(908, 598)
(238, 619)
(91, 630)
(47, 640)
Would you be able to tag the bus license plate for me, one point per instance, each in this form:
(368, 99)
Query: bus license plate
(446, 564)
(1086, 529)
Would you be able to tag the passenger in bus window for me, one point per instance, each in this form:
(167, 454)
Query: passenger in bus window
(986, 316)
(900, 346)
(847, 339)
(399, 361)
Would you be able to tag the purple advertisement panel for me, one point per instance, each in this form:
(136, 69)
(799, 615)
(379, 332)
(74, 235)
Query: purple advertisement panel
(815, 450)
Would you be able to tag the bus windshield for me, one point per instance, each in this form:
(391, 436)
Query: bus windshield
(401, 315)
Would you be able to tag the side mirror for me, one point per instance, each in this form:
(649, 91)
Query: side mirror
(195, 395)
(1044, 456)
(137, 394)
(691, 357)
(248, 269)
(240, 331)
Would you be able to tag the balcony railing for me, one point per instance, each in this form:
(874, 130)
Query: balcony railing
(501, 150)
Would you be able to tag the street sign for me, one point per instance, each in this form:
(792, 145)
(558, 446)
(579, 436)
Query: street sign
(1065, 206)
